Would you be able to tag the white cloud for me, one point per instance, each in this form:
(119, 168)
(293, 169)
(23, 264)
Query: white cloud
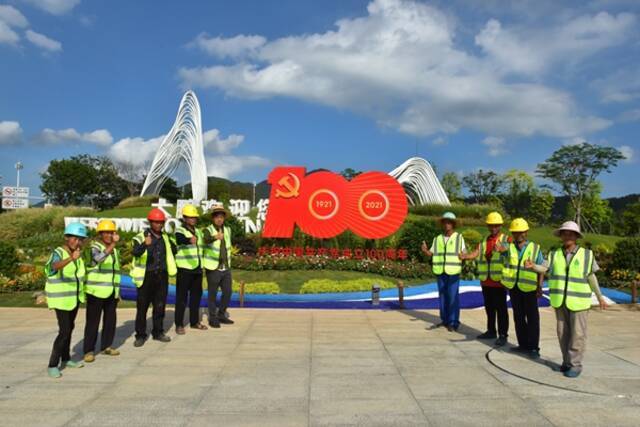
(54, 7)
(534, 50)
(100, 137)
(229, 165)
(215, 144)
(137, 151)
(7, 35)
(627, 152)
(621, 86)
(12, 17)
(496, 145)
(233, 47)
(10, 132)
(439, 141)
(43, 41)
(400, 66)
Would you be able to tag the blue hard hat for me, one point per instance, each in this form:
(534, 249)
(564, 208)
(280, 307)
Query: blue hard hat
(75, 229)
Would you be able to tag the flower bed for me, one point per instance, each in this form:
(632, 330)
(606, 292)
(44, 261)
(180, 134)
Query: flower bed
(395, 269)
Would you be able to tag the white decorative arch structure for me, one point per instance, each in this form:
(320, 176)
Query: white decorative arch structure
(420, 182)
(183, 143)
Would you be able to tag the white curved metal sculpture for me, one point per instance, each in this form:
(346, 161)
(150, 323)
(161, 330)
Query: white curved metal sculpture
(182, 143)
(420, 182)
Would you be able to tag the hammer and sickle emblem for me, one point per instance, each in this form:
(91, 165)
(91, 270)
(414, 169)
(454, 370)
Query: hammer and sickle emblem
(292, 189)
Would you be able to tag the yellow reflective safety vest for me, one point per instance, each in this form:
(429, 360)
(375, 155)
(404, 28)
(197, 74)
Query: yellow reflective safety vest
(568, 283)
(103, 279)
(139, 264)
(514, 272)
(65, 288)
(445, 255)
(492, 268)
(212, 250)
(189, 256)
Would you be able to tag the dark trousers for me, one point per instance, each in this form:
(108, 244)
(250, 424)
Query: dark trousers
(62, 343)
(448, 287)
(95, 309)
(188, 282)
(526, 318)
(495, 304)
(153, 291)
(218, 279)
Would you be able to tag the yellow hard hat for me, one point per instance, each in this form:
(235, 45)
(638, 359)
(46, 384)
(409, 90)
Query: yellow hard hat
(518, 225)
(106, 225)
(190, 210)
(494, 218)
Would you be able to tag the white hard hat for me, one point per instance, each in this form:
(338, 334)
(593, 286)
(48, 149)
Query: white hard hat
(568, 226)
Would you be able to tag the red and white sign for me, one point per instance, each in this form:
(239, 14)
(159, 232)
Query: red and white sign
(15, 203)
(324, 204)
(15, 192)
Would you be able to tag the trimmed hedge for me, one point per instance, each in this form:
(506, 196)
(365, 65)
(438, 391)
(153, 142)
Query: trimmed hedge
(137, 201)
(322, 286)
(258, 288)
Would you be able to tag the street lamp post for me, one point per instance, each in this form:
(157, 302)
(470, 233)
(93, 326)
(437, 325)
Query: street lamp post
(19, 167)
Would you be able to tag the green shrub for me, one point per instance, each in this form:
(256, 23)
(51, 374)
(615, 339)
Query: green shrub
(321, 286)
(414, 234)
(471, 238)
(24, 223)
(258, 288)
(137, 201)
(626, 255)
(8, 259)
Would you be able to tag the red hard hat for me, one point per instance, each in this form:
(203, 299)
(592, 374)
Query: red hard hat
(156, 215)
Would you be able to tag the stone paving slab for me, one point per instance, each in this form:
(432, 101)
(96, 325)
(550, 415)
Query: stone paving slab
(317, 368)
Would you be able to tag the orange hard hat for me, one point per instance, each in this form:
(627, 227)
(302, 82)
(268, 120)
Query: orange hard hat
(156, 215)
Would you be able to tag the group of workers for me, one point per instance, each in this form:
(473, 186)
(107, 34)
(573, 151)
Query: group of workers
(186, 254)
(505, 264)
(515, 265)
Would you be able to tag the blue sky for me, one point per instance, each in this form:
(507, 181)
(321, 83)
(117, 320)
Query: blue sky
(333, 84)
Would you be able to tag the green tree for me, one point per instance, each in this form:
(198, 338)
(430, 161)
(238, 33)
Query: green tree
(83, 180)
(483, 185)
(573, 169)
(596, 212)
(350, 173)
(631, 220)
(170, 190)
(519, 190)
(541, 206)
(452, 186)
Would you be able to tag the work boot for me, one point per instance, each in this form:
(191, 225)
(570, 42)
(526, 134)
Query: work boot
(162, 338)
(486, 336)
(180, 330)
(224, 318)
(572, 373)
(449, 328)
(214, 322)
(54, 372)
(72, 364)
(534, 354)
(502, 340)
(139, 342)
(89, 357)
(111, 352)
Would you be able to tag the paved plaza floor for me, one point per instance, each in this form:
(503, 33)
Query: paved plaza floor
(320, 367)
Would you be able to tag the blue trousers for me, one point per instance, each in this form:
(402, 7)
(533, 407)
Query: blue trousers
(449, 299)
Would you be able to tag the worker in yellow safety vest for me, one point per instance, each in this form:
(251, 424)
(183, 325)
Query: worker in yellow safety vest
(525, 286)
(64, 289)
(446, 252)
(103, 291)
(489, 265)
(153, 263)
(217, 264)
(572, 280)
(189, 259)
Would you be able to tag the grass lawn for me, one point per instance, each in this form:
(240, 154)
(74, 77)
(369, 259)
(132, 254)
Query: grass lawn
(24, 299)
(544, 236)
